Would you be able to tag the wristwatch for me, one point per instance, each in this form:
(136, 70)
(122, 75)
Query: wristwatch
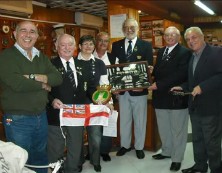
(32, 76)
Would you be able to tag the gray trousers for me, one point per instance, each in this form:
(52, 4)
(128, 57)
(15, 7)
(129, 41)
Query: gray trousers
(173, 129)
(73, 144)
(56, 144)
(133, 109)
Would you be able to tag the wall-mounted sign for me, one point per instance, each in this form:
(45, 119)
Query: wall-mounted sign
(116, 22)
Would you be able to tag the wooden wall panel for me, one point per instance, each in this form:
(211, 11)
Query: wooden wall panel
(113, 9)
(53, 14)
(45, 42)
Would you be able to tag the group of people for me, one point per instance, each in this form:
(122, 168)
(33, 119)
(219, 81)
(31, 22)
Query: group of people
(33, 90)
(187, 83)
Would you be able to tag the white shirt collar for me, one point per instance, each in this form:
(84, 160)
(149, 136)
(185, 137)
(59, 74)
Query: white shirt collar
(133, 41)
(80, 57)
(35, 52)
(171, 48)
(71, 60)
(104, 58)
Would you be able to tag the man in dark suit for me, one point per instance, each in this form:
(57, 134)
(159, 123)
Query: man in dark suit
(172, 115)
(133, 103)
(100, 52)
(205, 103)
(71, 91)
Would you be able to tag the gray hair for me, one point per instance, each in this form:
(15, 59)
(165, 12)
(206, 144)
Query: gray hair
(195, 29)
(18, 26)
(173, 28)
(63, 35)
(102, 33)
(128, 20)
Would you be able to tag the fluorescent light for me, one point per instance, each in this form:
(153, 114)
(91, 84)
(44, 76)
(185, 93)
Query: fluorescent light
(204, 7)
(39, 4)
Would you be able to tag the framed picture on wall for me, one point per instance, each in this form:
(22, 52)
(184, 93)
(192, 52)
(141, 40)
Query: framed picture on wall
(129, 76)
(146, 25)
(146, 34)
(84, 31)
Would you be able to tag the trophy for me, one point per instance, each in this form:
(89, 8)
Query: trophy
(102, 95)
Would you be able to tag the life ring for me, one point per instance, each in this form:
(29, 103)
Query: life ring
(5, 29)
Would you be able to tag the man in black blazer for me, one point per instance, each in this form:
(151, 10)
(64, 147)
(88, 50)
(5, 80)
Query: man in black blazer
(171, 69)
(205, 103)
(66, 93)
(133, 103)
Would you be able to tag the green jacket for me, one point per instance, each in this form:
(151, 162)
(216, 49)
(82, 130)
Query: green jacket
(20, 95)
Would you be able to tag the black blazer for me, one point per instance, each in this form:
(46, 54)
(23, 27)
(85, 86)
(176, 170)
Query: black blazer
(208, 75)
(142, 52)
(66, 93)
(169, 72)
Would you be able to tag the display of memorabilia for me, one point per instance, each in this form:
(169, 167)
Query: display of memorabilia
(129, 76)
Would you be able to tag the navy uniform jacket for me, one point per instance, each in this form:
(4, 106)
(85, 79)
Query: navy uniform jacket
(142, 52)
(66, 93)
(170, 72)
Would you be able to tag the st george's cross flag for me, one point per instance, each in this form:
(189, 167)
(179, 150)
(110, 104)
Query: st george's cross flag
(84, 115)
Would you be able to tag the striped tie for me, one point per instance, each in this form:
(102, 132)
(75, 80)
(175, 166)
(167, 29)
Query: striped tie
(70, 75)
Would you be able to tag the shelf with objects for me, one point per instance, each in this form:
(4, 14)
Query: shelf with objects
(213, 36)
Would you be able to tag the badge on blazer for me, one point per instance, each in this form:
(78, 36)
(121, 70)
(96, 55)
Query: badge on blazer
(102, 95)
(85, 86)
(139, 57)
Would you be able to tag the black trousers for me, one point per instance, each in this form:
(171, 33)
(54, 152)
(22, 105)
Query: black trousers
(106, 145)
(206, 136)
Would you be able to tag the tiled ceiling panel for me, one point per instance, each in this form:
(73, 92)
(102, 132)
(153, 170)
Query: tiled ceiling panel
(94, 7)
(179, 11)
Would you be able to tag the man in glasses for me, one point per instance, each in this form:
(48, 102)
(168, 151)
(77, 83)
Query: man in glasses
(102, 43)
(133, 103)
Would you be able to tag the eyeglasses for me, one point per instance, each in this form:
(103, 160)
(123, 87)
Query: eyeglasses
(88, 44)
(103, 41)
(129, 27)
(170, 35)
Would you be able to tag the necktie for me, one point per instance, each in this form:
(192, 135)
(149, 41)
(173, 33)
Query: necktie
(165, 53)
(129, 48)
(70, 74)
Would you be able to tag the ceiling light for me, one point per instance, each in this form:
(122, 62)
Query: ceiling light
(204, 7)
(39, 4)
